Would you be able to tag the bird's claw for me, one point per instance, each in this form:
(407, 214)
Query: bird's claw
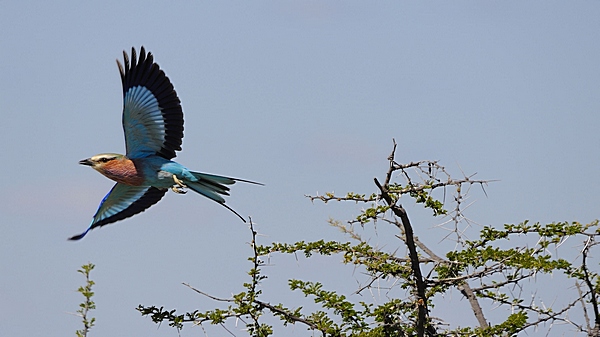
(179, 186)
(178, 189)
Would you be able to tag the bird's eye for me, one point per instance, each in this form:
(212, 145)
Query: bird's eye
(104, 160)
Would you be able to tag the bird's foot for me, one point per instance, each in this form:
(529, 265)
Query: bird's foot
(178, 189)
(179, 186)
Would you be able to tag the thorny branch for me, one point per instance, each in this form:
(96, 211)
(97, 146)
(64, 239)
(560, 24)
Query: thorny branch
(269, 306)
(593, 297)
(428, 172)
(486, 281)
(389, 192)
(399, 211)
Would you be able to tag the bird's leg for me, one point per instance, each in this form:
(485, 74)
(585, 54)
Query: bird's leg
(179, 186)
(178, 182)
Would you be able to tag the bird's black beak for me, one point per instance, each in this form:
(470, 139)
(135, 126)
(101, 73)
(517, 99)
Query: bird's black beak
(87, 162)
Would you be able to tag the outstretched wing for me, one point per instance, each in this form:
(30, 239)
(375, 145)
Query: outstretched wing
(122, 202)
(152, 115)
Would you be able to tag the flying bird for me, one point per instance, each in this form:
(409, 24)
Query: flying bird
(153, 126)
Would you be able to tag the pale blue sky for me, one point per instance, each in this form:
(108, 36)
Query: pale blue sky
(302, 96)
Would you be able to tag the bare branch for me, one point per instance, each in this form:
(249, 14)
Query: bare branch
(465, 289)
(218, 299)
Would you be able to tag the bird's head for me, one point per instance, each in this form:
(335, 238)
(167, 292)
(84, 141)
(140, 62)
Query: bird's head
(99, 161)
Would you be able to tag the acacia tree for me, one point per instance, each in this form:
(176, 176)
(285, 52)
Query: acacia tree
(491, 272)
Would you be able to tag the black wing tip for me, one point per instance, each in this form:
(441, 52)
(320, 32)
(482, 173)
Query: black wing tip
(78, 237)
(143, 55)
(131, 63)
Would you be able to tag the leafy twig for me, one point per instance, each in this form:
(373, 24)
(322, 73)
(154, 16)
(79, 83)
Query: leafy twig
(88, 304)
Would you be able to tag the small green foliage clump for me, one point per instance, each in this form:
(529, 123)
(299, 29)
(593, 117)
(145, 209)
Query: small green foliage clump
(86, 306)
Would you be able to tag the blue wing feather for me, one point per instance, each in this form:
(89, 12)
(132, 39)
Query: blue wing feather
(123, 201)
(152, 114)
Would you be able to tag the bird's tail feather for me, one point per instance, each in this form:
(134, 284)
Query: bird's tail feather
(213, 186)
(221, 179)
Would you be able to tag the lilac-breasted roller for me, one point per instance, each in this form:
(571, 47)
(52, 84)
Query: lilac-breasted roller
(153, 125)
